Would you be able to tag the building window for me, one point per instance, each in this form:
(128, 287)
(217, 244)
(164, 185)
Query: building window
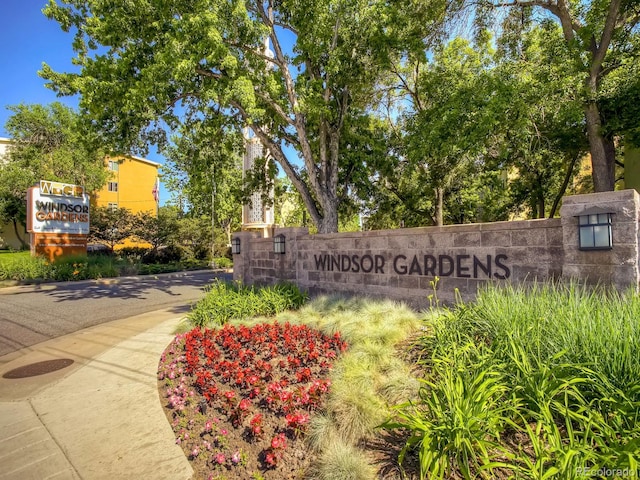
(113, 186)
(113, 165)
(112, 207)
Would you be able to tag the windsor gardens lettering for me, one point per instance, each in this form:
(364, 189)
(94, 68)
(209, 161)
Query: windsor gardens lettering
(461, 266)
(55, 207)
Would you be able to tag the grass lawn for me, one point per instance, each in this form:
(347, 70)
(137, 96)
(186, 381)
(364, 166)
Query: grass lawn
(7, 256)
(23, 268)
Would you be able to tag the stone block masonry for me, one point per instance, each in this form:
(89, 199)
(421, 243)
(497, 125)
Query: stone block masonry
(403, 264)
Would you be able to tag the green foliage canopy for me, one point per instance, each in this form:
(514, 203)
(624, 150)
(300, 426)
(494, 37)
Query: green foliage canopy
(148, 65)
(600, 37)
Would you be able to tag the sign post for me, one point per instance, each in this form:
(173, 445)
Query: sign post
(57, 219)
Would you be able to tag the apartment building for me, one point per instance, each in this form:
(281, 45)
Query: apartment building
(133, 185)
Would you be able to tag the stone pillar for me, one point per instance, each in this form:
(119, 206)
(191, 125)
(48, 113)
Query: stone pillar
(242, 260)
(618, 266)
(286, 264)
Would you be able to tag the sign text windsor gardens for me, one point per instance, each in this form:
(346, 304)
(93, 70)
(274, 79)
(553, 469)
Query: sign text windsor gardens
(57, 207)
(461, 266)
(57, 219)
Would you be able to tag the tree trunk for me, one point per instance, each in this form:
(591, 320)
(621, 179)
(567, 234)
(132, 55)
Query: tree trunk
(23, 244)
(565, 184)
(439, 191)
(602, 151)
(227, 231)
(329, 220)
(540, 205)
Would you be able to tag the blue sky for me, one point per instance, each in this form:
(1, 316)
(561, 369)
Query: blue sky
(28, 39)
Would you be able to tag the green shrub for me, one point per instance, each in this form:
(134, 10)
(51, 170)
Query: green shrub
(225, 301)
(134, 254)
(564, 363)
(24, 267)
(223, 262)
(165, 255)
(460, 414)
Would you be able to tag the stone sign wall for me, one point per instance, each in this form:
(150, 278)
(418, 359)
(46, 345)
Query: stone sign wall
(404, 263)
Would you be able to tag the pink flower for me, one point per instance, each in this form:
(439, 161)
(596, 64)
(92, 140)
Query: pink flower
(235, 458)
(220, 458)
(208, 426)
(195, 452)
(279, 441)
(270, 458)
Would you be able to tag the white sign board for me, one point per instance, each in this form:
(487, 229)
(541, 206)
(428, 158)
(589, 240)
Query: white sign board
(57, 211)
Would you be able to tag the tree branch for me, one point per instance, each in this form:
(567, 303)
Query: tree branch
(182, 96)
(286, 26)
(208, 73)
(276, 151)
(413, 93)
(276, 107)
(607, 35)
(305, 146)
(559, 9)
(565, 184)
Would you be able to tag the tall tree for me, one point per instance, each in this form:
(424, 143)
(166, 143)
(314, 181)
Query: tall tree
(147, 65)
(541, 124)
(601, 36)
(444, 129)
(48, 143)
(474, 113)
(203, 168)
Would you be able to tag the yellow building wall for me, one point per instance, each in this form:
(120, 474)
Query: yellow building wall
(136, 179)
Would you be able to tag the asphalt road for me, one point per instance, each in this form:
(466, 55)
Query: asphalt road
(33, 314)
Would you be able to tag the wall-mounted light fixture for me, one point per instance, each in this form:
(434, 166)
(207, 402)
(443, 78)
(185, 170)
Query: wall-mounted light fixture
(594, 229)
(279, 244)
(235, 245)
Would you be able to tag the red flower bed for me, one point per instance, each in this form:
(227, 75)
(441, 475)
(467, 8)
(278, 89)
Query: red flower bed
(239, 398)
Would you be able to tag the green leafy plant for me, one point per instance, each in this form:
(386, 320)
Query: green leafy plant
(567, 353)
(225, 301)
(456, 423)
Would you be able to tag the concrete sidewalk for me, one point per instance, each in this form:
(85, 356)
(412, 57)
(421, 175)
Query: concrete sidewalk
(99, 418)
